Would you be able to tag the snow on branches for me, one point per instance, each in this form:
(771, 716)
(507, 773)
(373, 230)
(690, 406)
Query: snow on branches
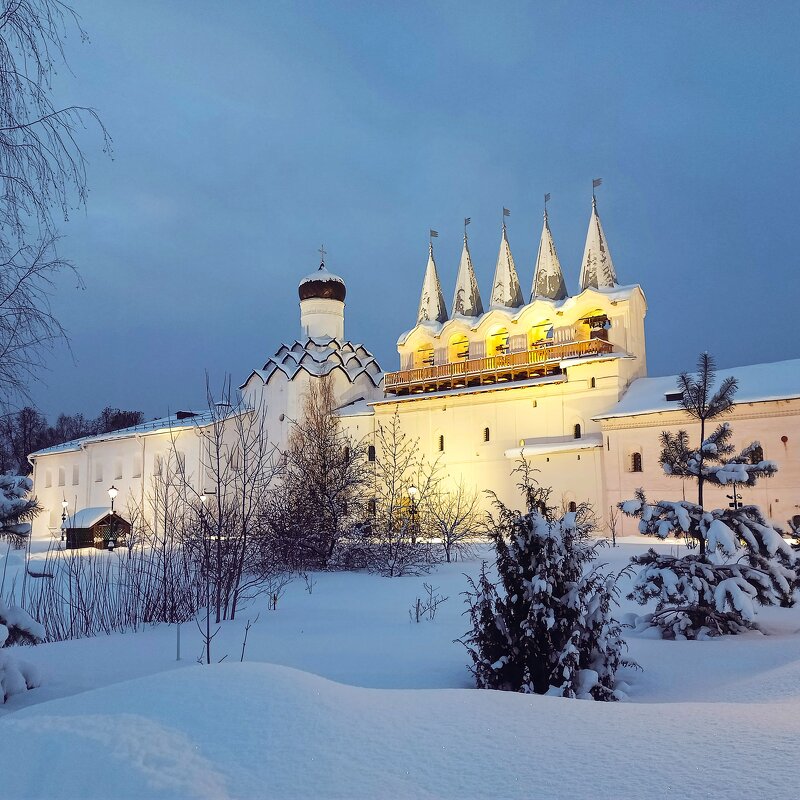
(16, 508)
(546, 627)
(742, 562)
(17, 627)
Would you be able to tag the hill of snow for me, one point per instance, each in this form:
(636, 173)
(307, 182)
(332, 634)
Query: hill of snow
(259, 730)
(341, 696)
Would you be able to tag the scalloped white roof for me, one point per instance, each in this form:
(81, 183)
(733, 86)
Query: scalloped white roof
(511, 314)
(320, 357)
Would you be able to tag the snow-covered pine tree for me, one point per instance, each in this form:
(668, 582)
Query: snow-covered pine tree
(16, 508)
(742, 560)
(546, 627)
(16, 625)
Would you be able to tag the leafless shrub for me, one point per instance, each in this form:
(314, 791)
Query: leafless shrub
(425, 607)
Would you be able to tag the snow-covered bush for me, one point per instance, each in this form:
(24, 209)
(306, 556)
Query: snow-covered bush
(16, 627)
(742, 560)
(546, 627)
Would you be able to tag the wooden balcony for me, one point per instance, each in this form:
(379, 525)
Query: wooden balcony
(541, 360)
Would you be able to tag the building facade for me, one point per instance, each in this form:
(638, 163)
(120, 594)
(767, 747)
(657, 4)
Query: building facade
(557, 379)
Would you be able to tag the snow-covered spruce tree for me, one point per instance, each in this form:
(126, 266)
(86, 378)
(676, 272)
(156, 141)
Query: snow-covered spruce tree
(741, 559)
(546, 627)
(16, 625)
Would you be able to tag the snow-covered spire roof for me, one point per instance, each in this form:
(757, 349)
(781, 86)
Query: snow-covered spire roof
(597, 268)
(431, 303)
(505, 287)
(467, 296)
(548, 280)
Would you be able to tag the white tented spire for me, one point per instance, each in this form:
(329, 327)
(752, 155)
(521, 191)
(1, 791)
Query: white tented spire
(467, 296)
(431, 303)
(597, 268)
(548, 280)
(505, 287)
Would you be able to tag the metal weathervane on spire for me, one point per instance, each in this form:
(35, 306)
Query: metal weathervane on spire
(467, 221)
(595, 183)
(432, 235)
(546, 201)
(506, 213)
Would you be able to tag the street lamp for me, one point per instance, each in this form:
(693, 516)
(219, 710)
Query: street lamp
(64, 506)
(112, 493)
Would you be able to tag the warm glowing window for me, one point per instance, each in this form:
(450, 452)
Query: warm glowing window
(458, 348)
(424, 356)
(497, 343)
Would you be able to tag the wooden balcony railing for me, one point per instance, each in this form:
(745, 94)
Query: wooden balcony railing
(502, 367)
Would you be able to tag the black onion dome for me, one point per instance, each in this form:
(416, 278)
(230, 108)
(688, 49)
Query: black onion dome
(323, 285)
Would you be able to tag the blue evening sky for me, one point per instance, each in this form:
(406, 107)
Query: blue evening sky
(248, 133)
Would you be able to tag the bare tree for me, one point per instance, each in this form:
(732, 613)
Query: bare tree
(42, 178)
(454, 517)
(398, 530)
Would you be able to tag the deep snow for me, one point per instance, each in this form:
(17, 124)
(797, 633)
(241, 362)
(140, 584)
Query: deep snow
(316, 710)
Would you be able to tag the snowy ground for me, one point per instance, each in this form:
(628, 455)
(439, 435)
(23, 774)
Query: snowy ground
(341, 696)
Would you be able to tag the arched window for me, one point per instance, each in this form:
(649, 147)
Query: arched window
(636, 462)
(757, 454)
(572, 506)
(497, 343)
(346, 453)
(592, 383)
(441, 443)
(424, 356)
(576, 432)
(371, 453)
(372, 506)
(486, 435)
(458, 348)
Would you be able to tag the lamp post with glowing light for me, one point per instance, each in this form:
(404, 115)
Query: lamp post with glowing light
(112, 493)
(413, 492)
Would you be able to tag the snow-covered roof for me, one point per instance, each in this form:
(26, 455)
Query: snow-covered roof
(555, 444)
(506, 291)
(548, 307)
(321, 356)
(358, 408)
(467, 296)
(597, 268)
(548, 279)
(170, 423)
(779, 380)
(87, 517)
(431, 302)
